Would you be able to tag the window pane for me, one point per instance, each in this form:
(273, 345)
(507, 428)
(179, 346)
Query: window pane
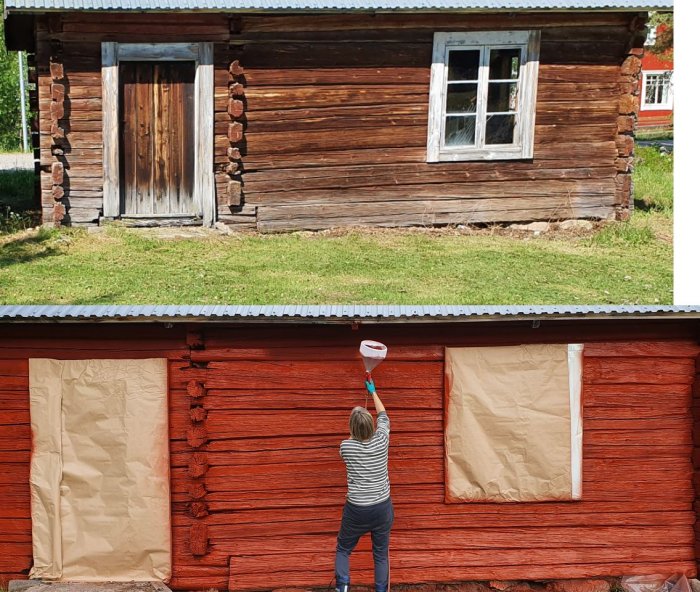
(504, 64)
(499, 129)
(657, 89)
(463, 65)
(459, 131)
(503, 96)
(461, 98)
(652, 89)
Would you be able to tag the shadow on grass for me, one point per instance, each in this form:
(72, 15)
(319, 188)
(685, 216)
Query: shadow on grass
(27, 248)
(108, 298)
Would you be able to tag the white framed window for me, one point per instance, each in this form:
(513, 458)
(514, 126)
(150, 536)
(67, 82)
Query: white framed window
(657, 90)
(483, 88)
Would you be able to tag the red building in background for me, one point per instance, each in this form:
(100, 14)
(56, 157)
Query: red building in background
(656, 87)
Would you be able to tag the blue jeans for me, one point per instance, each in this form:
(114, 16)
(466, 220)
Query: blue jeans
(358, 520)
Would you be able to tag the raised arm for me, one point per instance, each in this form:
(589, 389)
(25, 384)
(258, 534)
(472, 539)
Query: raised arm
(371, 389)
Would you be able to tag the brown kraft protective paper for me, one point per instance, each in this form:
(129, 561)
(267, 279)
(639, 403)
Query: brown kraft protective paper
(100, 470)
(508, 425)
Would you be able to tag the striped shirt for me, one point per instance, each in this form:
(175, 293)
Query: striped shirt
(366, 464)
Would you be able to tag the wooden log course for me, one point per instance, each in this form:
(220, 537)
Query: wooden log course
(57, 192)
(195, 389)
(232, 168)
(199, 538)
(198, 414)
(235, 132)
(198, 465)
(56, 69)
(163, 27)
(625, 124)
(57, 132)
(57, 110)
(197, 436)
(629, 103)
(196, 490)
(236, 89)
(234, 193)
(235, 108)
(58, 92)
(625, 145)
(59, 213)
(459, 567)
(57, 172)
(198, 509)
(631, 66)
(235, 69)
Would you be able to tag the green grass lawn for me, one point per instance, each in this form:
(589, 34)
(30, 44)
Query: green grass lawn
(628, 262)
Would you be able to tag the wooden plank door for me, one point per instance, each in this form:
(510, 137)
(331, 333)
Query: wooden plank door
(157, 139)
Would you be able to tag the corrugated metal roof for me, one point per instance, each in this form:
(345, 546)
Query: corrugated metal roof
(333, 5)
(329, 313)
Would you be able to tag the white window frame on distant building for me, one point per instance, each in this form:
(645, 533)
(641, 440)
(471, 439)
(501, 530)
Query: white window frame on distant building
(521, 103)
(658, 106)
(651, 37)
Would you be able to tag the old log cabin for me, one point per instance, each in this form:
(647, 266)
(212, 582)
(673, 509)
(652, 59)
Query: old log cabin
(276, 114)
(256, 400)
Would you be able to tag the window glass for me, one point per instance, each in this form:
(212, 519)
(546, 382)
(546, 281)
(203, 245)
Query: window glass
(503, 97)
(657, 89)
(500, 129)
(460, 131)
(463, 65)
(504, 64)
(461, 98)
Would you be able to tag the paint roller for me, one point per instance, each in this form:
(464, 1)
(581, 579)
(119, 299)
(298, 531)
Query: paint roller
(373, 354)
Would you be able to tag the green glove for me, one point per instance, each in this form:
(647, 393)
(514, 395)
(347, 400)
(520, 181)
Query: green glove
(369, 384)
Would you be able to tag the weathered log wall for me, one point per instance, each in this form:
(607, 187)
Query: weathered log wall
(696, 457)
(256, 415)
(338, 107)
(322, 120)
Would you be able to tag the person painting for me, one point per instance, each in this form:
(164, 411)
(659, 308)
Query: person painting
(368, 506)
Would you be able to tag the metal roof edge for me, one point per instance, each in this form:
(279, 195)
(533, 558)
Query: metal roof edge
(295, 11)
(328, 6)
(308, 314)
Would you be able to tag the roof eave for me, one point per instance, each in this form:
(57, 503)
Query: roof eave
(286, 10)
(353, 320)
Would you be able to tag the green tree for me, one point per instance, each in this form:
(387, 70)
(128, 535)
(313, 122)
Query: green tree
(10, 110)
(663, 47)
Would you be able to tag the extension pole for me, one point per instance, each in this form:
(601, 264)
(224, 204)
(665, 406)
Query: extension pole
(25, 143)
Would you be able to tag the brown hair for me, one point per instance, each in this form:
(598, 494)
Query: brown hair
(361, 424)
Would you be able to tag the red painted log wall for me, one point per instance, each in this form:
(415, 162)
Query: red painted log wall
(257, 503)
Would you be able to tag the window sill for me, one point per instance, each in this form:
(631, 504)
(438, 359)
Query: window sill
(657, 107)
(479, 155)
